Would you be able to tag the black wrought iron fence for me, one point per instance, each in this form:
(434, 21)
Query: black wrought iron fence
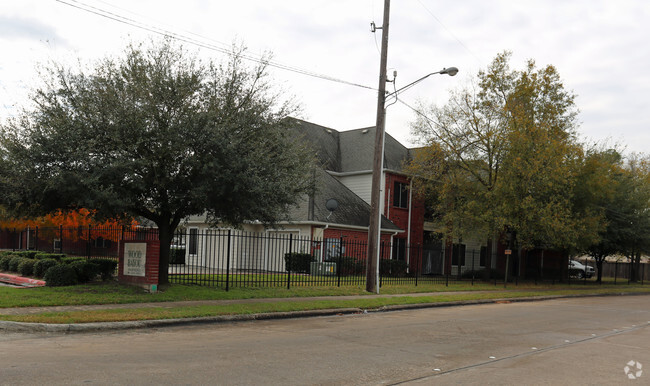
(229, 258)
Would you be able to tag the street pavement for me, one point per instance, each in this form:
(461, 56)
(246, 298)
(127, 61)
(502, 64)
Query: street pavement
(564, 341)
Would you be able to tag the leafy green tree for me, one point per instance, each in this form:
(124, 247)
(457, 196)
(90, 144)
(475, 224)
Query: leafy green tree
(509, 156)
(159, 134)
(464, 141)
(633, 211)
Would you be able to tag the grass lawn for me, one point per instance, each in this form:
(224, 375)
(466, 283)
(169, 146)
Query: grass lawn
(113, 293)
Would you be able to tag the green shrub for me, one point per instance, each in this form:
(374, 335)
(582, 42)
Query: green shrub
(476, 274)
(177, 256)
(351, 266)
(106, 268)
(71, 259)
(25, 254)
(41, 266)
(14, 262)
(86, 271)
(4, 262)
(298, 262)
(55, 256)
(392, 268)
(60, 275)
(26, 267)
(5, 253)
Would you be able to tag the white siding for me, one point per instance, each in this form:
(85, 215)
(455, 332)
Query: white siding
(360, 184)
(472, 255)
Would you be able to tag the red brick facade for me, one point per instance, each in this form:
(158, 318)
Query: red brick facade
(151, 279)
(399, 215)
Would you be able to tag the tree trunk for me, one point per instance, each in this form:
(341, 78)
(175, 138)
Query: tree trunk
(599, 267)
(635, 264)
(165, 234)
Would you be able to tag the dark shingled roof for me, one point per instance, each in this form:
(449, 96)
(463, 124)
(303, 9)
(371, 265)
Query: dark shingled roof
(350, 151)
(352, 209)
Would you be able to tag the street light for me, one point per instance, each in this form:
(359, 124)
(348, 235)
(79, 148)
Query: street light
(451, 71)
(374, 228)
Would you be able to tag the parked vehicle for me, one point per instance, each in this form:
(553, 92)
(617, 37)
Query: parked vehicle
(579, 270)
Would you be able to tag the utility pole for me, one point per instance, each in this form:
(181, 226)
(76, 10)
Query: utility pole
(374, 229)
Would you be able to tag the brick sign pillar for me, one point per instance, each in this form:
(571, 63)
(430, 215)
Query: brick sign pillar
(139, 263)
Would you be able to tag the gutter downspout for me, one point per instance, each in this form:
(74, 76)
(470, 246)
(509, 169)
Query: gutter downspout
(408, 227)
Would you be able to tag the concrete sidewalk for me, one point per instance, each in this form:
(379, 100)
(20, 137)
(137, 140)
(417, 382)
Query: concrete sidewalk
(21, 327)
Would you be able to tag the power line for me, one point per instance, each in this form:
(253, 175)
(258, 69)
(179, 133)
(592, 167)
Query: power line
(480, 62)
(210, 46)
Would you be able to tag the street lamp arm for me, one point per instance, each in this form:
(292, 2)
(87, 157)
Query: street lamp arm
(451, 71)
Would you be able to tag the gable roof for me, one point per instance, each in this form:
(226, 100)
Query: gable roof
(352, 209)
(350, 151)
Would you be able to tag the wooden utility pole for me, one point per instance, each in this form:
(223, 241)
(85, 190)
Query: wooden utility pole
(374, 229)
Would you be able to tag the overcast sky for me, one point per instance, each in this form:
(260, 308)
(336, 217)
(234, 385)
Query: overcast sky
(600, 48)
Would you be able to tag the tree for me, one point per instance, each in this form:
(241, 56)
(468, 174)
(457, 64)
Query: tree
(634, 210)
(510, 155)
(625, 208)
(464, 144)
(160, 135)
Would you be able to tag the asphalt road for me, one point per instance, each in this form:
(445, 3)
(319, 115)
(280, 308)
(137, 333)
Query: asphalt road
(570, 341)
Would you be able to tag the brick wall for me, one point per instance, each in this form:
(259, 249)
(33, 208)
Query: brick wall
(151, 278)
(400, 216)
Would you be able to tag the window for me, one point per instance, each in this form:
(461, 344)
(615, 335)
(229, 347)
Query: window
(193, 241)
(101, 242)
(400, 195)
(399, 249)
(458, 254)
(483, 258)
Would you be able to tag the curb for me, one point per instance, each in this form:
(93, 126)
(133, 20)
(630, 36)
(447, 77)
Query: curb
(24, 327)
(116, 326)
(21, 281)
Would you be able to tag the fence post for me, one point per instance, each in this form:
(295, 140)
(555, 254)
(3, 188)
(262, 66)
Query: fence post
(36, 239)
(473, 256)
(338, 266)
(289, 270)
(615, 270)
(418, 263)
(61, 237)
(88, 245)
(381, 257)
(447, 269)
(228, 262)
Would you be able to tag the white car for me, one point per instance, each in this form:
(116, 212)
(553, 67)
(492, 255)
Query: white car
(579, 270)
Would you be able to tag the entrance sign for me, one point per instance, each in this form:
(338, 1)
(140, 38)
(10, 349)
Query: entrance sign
(135, 257)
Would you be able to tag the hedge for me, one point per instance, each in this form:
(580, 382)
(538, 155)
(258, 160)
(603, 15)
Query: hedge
(106, 268)
(55, 256)
(392, 268)
(14, 262)
(4, 262)
(177, 256)
(26, 267)
(298, 262)
(41, 266)
(60, 275)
